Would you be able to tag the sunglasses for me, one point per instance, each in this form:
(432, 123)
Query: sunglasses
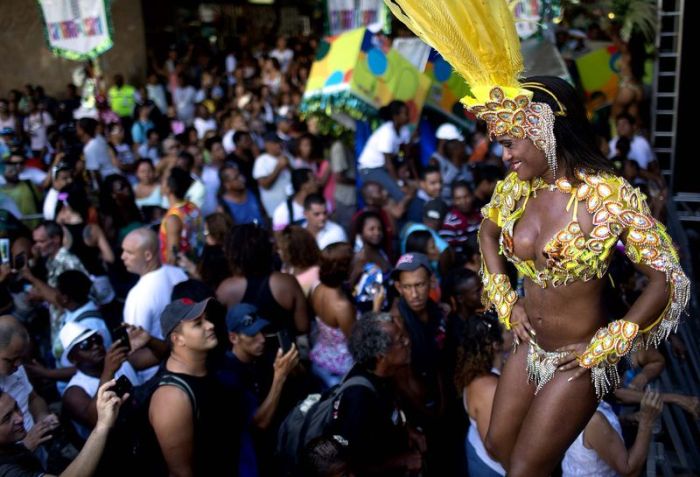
(87, 344)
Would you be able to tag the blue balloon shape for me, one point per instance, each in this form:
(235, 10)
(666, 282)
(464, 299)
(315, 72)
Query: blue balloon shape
(377, 61)
(335, 78)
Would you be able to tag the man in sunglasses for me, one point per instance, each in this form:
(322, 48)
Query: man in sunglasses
(84, 349)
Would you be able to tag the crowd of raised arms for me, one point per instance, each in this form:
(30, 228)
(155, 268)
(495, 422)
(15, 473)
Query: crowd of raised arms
(198, 237)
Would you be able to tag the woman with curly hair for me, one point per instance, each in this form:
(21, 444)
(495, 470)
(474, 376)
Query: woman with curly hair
(300, 256)
(478, 368)
(253, 280)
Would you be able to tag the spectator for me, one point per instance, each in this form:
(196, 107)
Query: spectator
(291, 212)
(282, 54)
(326, 456)
(123, 151)
(98, 161)
(271, 170)
(375, 161)
(74, 297)
(211, 267)
(463, 219)
(235, 199)
(476, 378)
(640, 150)
(191, 441)
(372, 235)
(84, 348)
(210, 173)
(260, 384)
(37, 421)
(19, 461)
(278, 296)
(36, 124)
(300, 256)
(184, 99)
(148, 298)
(22, 192)
(147, 189)
(122, 98)
(61, 176)
(196, 193)
(180, 229)
(335, 315)
(600, 449)
(450, 157)
(370, 420)
(118, 209)
(325, 231)
(430, 188)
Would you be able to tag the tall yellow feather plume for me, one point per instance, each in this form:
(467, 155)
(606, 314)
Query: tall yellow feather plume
(477, 37)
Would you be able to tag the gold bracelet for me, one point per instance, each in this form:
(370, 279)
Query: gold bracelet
(499, 294)
(607, 346)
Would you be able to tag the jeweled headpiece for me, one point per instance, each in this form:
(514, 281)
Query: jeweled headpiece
(478, 38)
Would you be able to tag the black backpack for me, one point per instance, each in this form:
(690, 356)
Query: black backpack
(310, 419)
(132, 447)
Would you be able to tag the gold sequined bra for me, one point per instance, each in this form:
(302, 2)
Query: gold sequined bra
(619, 212)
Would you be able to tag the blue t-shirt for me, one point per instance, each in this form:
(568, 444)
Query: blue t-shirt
(247, 212)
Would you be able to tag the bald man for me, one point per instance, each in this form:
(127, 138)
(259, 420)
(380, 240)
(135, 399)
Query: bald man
(147, 299)
(38, 422)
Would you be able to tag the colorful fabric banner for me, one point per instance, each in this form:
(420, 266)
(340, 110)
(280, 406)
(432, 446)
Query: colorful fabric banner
(77, 29)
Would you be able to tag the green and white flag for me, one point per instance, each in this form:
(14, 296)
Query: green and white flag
(77, 29)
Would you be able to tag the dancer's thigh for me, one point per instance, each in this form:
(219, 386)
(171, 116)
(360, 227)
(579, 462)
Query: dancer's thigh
(555, 418)
(511, 402)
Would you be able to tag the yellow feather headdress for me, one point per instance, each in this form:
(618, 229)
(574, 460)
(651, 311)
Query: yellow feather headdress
(478, 38)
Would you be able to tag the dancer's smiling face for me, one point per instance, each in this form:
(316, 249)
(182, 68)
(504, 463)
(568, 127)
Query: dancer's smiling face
(524, 158)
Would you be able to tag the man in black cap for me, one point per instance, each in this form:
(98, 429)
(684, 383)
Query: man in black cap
(259, 383)
(190, 409)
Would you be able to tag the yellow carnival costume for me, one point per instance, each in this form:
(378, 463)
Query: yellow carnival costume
(478, 38)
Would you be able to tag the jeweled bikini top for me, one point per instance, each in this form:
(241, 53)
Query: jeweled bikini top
(619, 212)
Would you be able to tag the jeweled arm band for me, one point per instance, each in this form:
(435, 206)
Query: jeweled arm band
(606, 348)
(498, 293)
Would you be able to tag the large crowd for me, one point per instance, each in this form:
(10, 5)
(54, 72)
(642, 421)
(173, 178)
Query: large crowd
(201, 237)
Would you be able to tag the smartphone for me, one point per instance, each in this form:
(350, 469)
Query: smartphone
(175, 251)
(20, 260)
(4, 250)
(122, 386)
(284, 340)
(120, 334)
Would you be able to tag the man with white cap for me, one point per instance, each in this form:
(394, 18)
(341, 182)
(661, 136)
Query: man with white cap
(450, 157)
(84, 349)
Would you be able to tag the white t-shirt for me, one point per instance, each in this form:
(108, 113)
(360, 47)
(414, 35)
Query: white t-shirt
(384, 140)
(204, 125)
(264, 166)
(640, 151)
(197, 192)
(91, 384)
(50, 204)
(580, 461)
(18, 386)
(283, 56)
(280, 219)
(227, 141)
(97, 157)
(149, 297)
(330, 233)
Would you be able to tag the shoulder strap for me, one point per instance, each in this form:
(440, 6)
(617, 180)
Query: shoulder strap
(171, 380)
(290, 211)
(356, 381)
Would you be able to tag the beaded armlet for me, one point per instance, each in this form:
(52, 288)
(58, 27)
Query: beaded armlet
(498, 293)
(607, 346)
